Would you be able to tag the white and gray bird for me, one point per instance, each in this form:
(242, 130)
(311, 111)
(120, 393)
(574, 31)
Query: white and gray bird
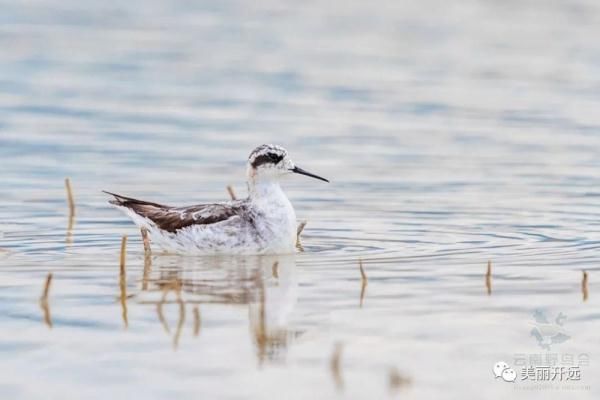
(262, 223)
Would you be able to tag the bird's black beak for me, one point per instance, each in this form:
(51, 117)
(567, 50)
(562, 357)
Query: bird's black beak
(303, 172)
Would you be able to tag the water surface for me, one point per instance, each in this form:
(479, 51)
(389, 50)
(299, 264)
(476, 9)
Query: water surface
(452, 134)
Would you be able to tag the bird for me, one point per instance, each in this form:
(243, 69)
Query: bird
(262, 223)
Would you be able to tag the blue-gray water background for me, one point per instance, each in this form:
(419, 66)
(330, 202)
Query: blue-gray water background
(453, 133)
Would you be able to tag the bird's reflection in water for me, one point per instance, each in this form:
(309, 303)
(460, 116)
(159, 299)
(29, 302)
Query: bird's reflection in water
(267, 285)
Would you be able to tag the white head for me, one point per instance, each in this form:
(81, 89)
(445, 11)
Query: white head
(271, 162)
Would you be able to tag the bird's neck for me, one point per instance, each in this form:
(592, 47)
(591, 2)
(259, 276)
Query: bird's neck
(265, 190)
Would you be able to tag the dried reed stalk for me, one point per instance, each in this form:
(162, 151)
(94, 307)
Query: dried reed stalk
(147, 258)
(260, 329)
(181, 320)
(299, 230)
(159, 312)
(584, 286)
(146, 241)
(71, 203)
(231, 192)
(364, 282)
(275, 270)
(70, 197)
(397, 380)
(335, 366)
(197, 321)
(44, 301)
(488, 278)
(123, 281)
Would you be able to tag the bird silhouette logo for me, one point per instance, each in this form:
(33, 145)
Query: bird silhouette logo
(549, 333)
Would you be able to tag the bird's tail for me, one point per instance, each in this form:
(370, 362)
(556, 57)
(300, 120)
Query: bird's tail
(125, 201)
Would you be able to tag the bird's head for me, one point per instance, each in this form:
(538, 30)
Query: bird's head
(270, 162)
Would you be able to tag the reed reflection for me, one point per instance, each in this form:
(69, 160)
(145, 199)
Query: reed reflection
(267, 285)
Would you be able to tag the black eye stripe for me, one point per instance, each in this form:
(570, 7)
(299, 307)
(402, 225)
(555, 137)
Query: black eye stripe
(266, 158)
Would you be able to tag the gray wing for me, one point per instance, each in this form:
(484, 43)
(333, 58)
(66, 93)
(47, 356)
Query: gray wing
(171, 219)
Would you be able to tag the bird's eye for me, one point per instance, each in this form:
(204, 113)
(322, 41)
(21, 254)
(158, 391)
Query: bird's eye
(274, 157)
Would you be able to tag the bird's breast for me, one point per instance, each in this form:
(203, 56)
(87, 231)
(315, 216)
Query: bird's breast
(275, 221)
